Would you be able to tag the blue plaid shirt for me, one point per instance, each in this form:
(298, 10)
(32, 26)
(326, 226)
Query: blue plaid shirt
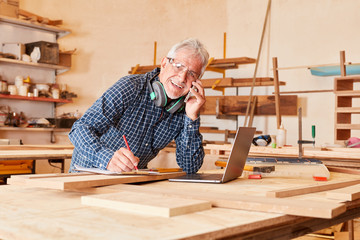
(126, 109)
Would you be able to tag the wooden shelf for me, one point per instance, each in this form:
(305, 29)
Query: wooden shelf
(348, 126)
(355, 94)
(40, 99)
(59, 69)
(60, 32)
(350, 77)
(34, 129)
(348, 110)
(238, 82)
(226, 63)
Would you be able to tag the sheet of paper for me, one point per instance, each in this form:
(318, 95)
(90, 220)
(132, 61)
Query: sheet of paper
(106, 172)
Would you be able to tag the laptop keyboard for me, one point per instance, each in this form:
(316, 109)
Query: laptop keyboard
(203, 176)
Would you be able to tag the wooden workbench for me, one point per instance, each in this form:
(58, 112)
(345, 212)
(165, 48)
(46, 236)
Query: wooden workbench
(51, 153)
(39, 213)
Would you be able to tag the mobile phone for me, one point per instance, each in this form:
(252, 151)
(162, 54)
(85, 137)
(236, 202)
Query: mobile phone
(189, 94)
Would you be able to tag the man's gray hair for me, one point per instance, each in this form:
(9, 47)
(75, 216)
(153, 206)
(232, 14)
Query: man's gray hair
(194, 45)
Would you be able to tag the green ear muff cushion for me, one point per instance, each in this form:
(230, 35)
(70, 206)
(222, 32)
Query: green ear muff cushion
(161, 98)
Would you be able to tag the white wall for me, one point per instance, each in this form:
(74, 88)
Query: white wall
(111, 36)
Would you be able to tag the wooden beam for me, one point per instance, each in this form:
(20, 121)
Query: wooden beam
(342, 64)
(277, 93)
(236, 105)
(310, 189)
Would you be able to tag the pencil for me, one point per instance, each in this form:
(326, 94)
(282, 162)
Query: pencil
(127, 145)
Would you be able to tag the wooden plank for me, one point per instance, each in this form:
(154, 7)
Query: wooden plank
(252, 203)
(238, 82)
(35, 154)
(344, 170)
(345, 235)
(277, 94)
(345, 194)
(310, 189)
(35, 147)
(20, 179)
(236, 105)
(86, 181)
(144, 203)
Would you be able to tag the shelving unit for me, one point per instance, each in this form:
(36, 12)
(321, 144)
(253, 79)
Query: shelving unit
(23, 31)
(345, 93)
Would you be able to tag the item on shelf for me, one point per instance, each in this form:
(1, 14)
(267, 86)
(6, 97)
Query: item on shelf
(17, 49)
(33, 17)
(4, 111)
(13, 119)
(62, 122)
(35, 55)
(43, 87)
(67, 95)
(22, 119)
(9, 8)
(19, 81)
(12, 89)
(23, 90)
(55, 93)
(26, 58)
(38, 122)
(49, 52)
(7, 55)
(36, 92)
(3, 86)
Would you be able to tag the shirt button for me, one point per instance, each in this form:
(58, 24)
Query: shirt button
(100, 164)
(146, 144)
(190, 126)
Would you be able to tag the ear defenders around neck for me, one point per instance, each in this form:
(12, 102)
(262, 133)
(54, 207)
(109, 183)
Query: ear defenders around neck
(160, 99)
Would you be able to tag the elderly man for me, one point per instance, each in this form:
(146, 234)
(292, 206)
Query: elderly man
(151, 110)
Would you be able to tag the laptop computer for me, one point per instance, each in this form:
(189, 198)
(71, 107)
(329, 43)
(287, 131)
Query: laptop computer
(235, 164)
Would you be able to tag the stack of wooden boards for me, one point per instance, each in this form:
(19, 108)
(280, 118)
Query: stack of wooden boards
(332, 204)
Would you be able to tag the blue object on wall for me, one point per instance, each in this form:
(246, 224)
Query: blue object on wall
(352, 69)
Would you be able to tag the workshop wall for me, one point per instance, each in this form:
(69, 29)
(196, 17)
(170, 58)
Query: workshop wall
(111, 36)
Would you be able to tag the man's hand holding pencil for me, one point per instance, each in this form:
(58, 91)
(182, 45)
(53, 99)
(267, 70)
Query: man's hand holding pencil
(123, 160)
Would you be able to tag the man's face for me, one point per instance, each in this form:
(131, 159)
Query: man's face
(177, 74)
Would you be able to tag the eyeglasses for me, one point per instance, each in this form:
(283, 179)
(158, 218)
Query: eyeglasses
(180, 68)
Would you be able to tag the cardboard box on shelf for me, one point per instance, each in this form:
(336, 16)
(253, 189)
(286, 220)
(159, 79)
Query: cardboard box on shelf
(16, 49)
